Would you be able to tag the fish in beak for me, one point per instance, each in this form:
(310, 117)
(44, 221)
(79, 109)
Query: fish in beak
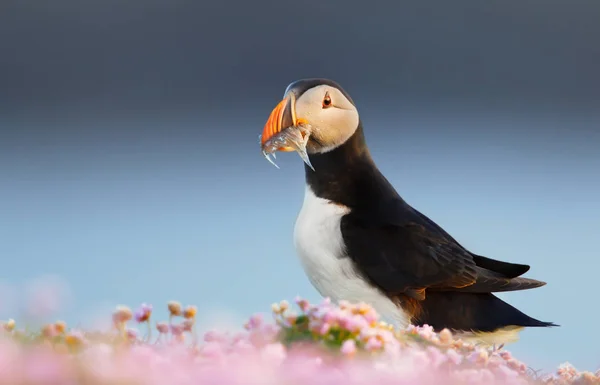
(284, 131)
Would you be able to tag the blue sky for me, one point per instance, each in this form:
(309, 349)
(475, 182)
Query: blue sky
(138, 211)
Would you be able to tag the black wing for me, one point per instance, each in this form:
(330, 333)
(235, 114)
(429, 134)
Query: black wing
(507, 269)
(402, 251)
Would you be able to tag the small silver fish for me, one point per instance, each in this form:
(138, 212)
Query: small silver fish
(295, 137)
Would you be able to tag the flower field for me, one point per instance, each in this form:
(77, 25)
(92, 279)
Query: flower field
(303, 344)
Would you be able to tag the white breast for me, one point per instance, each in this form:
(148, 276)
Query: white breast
(320, 247)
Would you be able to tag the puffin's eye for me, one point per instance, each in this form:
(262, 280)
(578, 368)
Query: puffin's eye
(326, 100)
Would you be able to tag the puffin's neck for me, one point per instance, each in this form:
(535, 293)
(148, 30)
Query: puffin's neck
(346, 174)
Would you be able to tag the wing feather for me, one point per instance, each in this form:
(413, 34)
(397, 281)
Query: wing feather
(403, 252)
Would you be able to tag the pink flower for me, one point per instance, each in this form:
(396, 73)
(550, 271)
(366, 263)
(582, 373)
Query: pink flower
(212, 350)
(49, 331)
(214, 336)
(122, 314)
(479, 356)
(132, 334)
(303, 304)
(274, 353)
(505, 355)
(43, 366)
(371, 317)
(329, 317)
(162, 327)
(257, 356)
(187, 325)
(176, 329)
(354, 323)
(436, 357)
(426, 332)
(454, 356)
(373, 343)
(254, 322)
(504, 372)
(324, 328)
(348, 347)
(143, 313)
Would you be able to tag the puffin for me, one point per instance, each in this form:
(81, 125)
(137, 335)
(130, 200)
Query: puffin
(358, 240)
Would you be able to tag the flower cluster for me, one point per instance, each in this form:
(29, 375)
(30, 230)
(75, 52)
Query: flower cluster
(320, 343)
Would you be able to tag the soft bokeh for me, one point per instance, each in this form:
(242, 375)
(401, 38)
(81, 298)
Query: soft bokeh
(319, 344)
(130, 168)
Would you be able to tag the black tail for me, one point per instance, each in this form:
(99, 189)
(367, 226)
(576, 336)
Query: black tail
(481, 312)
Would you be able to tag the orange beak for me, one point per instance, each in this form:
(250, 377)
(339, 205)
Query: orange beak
(282, 117)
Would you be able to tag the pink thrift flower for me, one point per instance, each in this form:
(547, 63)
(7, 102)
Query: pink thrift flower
(355, 323)
(324, 328)
(162, 327)
(303, 304)
(566, 370)
(283, 306)
(187, 325)
(212, 350)
(329, 317)
(122, 314)
(214, 336)
(254, 322)
(419, 358)
(274, 353)
(49, 331)
(373, 343)
(516, 365)
(436, 357)
(270, 331)
(505, 355)
(427, 332)
(505, 373)
(174, 308)
(10, 359)
(143, 313)
(176, 329)
(9, 325)
(479, 356)
(75, 338)
(454, 356)
(42, 366)
(243, 346)
(132, 334)
(588, 378)
(371, 317)
(348, 347)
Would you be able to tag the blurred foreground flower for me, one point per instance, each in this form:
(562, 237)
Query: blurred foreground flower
(9, 325)
(321, 344)
(174, 308)
(143, 313)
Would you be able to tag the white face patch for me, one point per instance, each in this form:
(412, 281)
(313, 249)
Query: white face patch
(331, 125)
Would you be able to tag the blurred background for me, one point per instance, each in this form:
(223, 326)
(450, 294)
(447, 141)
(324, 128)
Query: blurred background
(130, 167)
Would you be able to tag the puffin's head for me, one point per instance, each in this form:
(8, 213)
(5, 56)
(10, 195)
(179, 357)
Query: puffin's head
(320, 104)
